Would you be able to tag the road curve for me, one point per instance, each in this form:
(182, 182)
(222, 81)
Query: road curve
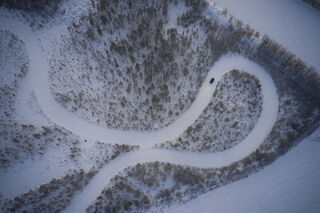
(39, 72)
(203, 160)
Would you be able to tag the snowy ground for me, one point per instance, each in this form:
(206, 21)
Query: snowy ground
(292, 23)
(37, 81)
(291, 184)
(39, 67)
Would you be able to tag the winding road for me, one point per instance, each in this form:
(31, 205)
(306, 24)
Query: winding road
(146, 140)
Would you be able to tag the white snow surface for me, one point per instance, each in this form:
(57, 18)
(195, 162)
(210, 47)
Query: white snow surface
(27, 109)
(55, 163)
(34, 172)
(174, 11)
(292, 23)
(291, 184)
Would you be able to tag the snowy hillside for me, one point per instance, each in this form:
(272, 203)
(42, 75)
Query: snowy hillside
(142, 106)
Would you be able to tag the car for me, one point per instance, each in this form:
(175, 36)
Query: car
(212, 80)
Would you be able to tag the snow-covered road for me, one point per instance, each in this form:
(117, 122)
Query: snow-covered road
(203, 160)
(55, 112)
(146, 140)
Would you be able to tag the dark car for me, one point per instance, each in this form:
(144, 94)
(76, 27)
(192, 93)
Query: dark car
(212, 80)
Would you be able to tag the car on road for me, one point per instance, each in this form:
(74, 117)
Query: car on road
(212, 80)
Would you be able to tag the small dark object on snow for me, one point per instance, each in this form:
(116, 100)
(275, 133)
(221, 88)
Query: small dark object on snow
(212, 80)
